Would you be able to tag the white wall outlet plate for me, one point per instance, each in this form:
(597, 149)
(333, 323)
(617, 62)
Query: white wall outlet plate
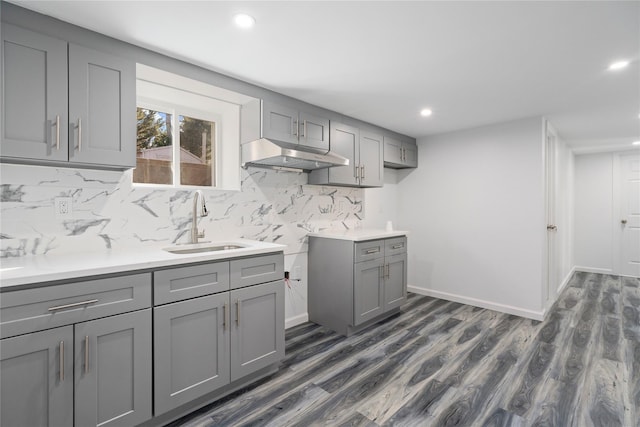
(63, 207)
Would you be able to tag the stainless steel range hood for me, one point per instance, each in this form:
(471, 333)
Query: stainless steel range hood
(270, 138)
(268, 153)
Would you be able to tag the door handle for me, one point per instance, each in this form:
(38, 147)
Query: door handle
(224, 317)
(623, 222)
(552, 227)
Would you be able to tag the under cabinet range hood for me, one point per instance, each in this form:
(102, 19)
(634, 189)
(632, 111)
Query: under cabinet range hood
(268, 153)
(280, 137)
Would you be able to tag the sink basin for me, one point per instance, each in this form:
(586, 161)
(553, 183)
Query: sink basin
(202, 248)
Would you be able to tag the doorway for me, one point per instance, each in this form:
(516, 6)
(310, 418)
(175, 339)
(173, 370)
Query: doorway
(626, 220)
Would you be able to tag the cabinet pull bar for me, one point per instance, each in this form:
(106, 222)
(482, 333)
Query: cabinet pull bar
(74, 304)
(295, 128)
(57, 125)
(79, 134)
(61, 361)
(86, 354)
(356, 172)
(397, 246)
(362, 173)
(238, 312)
(304, 129)
(224, 316)
(372, 251)
(388, 271)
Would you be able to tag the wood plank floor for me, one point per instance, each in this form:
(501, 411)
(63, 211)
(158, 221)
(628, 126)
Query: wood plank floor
(441, 363)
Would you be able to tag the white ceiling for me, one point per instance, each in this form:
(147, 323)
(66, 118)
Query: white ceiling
(472, 63)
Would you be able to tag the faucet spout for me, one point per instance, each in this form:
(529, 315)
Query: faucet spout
(195, 234)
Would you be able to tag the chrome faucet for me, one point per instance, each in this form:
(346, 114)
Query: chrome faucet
(195, 234)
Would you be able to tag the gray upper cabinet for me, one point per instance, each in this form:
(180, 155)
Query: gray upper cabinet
(294, 126)
(400, 154)
(257, 325)
(65, 104)
(36, 379)
(112, 370)
(102, 108)
(191, 350)
(34, 101)
(364, 151)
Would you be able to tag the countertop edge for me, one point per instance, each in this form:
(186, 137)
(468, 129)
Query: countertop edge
(359, 235)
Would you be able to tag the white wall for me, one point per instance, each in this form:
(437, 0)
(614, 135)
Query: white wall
(593, 239)
(475, 212)
(381, 204)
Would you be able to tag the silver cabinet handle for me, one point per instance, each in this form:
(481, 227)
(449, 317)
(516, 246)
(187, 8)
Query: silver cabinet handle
(372, 251)
(238, 312)
(295, 128)
(362, 173)
(57, 125)
(61, 361)
(224, 317)
(356, 172)
(74, 304)
(304, 129)
(388, 271)
(79, 134)
(400, 246)
(86, 354)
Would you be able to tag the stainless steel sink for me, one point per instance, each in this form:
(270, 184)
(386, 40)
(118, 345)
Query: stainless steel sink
(200, 248)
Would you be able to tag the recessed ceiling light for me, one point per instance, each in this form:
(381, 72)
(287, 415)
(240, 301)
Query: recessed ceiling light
(425, 112)
(618, 65)
(635, 143)
(243, 20)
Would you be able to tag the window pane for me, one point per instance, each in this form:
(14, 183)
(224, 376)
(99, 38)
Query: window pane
(154, 158)
(196, 151)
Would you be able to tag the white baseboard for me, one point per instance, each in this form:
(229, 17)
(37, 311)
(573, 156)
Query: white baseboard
(529, 314)
(593, 270)
(296, 320)
(565, 282)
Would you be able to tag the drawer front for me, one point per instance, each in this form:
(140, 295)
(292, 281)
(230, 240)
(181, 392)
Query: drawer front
(395, 246)
(366, 251)
(47, 307)
(189, 282)
(252, 271)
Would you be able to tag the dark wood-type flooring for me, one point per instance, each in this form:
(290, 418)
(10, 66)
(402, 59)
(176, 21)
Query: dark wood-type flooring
(441, 363)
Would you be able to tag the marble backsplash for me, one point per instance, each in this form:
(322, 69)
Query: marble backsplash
(109, 212)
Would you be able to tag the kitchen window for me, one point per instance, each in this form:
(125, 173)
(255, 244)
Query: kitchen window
(188, 132)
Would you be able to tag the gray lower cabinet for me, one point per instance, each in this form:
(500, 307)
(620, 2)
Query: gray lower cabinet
(354, 283)
(191, 349)
(205, 343)
(112, 372)
(65, 104)
(400, 154)
(36, 379)
(257, 328)
(365, 153)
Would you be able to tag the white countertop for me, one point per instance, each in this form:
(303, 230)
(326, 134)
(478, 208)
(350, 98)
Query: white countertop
(45, 268)
(358, 234)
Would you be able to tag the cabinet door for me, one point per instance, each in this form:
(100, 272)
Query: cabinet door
(368, 290)
(371, 152)
(34, 98)
(314, 131)
(102, 108)
(279, 122)
(410, 155)
(392, 151)
(344, 141)
(36, 379)
(257, 325)
(395, 285)
(191, 350)
(113, 370)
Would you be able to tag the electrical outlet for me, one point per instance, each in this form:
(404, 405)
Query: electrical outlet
(63, 207)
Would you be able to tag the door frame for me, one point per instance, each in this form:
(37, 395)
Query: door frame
(550, 258)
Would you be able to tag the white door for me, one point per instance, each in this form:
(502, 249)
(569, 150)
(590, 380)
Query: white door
(629, 220)
(552, 265)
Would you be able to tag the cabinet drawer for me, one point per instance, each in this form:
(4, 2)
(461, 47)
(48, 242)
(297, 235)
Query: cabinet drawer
(395, 246)
(47, 307)
(252, 271)
(190, 282)
(365, 251)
